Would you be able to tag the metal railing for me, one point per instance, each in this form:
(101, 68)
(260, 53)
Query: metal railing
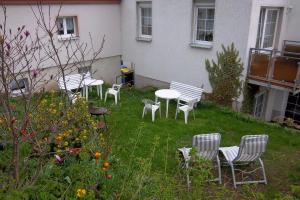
(275, 67)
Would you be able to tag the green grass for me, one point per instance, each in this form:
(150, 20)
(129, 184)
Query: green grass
(281, 159)
(134, 140)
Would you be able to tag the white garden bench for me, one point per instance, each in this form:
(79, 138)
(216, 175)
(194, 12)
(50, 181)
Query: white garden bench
(73, 82)
(188, 92)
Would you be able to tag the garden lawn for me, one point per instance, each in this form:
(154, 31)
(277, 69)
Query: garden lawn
(132, 135)
(144, 158)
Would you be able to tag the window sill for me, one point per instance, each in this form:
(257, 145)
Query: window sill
(204, 45)
(60, 38)
(144, 39)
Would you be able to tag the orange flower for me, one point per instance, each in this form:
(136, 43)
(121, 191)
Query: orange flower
(97, 155)
(106, 164)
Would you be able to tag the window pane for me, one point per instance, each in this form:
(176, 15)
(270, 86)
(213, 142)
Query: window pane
(146, 21)
(70, 25)
(60, 26)
(210, 13)
(260, 28)
(147, 30)
(201, 13)
(209, 36)
(205, 24)
(210, 25)
(270, 28)
(201, 24)
(268, 41)
(200, 35)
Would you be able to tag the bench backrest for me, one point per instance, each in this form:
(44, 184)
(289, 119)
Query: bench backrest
(73, 81)
(187, 91)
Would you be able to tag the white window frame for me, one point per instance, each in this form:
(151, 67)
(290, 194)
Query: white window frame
(67, 36)
(262, 95)
(140, 6)
(261, 43)
(202, 43)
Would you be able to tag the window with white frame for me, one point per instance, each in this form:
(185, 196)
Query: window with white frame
(259, 104)
(144, 11)
(204, 17)
(267, 28)
(66, 27)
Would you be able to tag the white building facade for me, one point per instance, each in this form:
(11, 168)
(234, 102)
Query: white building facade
(169, 40)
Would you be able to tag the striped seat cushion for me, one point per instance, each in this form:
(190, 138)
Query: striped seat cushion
(250, 149)
(188, 92)
(230, 153)
(207, 145)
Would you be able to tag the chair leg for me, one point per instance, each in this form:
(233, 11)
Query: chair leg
(263, 170)
(105, 97)
(119, 96)
(116, 99)
(176, 113)
(188, 180)
(159, 111)
(233, 174)
(219, 170)
(153, 115)
(194, 114)
(143, 112)
(186, 115)
(98, 90)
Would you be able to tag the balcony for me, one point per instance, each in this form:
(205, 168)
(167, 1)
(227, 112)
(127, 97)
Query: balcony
(277, 69)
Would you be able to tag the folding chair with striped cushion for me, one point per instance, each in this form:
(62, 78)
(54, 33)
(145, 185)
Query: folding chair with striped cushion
(250, 150)
(207, 146)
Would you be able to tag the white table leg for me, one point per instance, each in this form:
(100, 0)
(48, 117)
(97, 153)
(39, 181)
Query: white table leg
(86, 93)
(101, 92)
(156, 99)
(97, 87)
(167, 111)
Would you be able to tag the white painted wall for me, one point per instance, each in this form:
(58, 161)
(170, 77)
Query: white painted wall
(169, 56)
(293, 24)
(96, 19)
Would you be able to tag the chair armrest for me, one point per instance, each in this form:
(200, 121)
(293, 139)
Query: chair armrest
(185, 153)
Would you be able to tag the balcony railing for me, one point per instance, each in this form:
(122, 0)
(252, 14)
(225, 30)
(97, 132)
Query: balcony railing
(276, 68)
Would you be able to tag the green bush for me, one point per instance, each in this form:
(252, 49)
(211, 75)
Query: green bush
(224, 75)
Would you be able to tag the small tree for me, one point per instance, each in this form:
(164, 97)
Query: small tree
(224, 75)
(24, 54)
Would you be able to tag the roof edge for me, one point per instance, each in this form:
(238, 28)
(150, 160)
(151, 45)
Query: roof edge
(62, 2)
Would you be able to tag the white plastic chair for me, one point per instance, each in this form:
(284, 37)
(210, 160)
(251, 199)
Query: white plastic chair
(151, 106)
(115, 91)
(207, 147)
(186, 108)
(250, 150)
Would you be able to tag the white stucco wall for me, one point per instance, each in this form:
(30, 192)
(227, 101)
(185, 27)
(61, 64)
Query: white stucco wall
(293, 24)
(96, 19)
(169, 56)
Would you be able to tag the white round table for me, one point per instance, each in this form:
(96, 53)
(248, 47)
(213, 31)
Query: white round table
(92, 82)
(166, 94)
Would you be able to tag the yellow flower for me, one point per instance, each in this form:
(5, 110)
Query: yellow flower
(81, 193)
(66, 144)
(59, 138)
